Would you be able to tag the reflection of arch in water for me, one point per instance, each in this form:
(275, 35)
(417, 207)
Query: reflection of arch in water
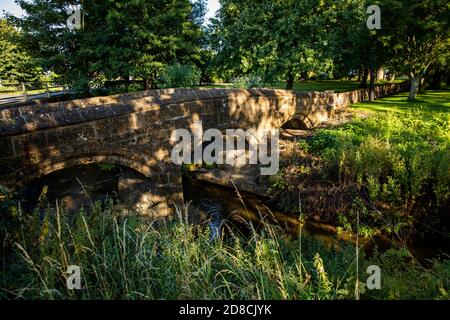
(45, 168)
(79, 183)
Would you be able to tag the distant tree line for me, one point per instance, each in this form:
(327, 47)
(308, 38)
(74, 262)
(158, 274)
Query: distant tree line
(287, 39)
(274, 40)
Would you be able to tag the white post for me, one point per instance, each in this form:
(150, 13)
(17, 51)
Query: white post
(46, 89)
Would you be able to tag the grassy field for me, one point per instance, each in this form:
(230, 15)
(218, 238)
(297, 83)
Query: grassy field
(29, 92)
(430, 101)
(324, 85)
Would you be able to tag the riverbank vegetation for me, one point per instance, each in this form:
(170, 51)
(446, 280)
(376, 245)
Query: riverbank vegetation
(131, 257)
(392, 168)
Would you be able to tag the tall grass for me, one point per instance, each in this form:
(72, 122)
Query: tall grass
(130, 257)
(396, 166)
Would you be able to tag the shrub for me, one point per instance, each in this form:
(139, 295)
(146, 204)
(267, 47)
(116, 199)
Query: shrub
(181, 76)
(401, 160)
(248, 81)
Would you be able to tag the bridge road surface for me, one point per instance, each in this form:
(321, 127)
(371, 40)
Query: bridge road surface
(6, 99)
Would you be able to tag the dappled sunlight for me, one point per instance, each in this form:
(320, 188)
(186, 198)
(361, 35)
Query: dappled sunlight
(430, 101)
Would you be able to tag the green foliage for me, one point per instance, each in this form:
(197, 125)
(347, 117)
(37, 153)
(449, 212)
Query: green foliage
(276, 39)
(15, 62)
(107, 166)
(181, 76)
(403, 277)
(119, 38)
(387, 148)
(249, 81)
(415, 36)
(398, 161)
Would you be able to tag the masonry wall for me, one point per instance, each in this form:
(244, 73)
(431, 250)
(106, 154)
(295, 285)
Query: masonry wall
(134, 130)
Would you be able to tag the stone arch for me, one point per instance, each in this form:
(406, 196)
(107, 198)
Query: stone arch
(298, 122)
(112, 159)
(40, 170)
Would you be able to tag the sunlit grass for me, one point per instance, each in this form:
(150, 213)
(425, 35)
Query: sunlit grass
(34, 91)
(430, 101)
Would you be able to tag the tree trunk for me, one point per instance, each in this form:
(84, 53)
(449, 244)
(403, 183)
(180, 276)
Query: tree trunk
(372, 85)
(380, 74)
(127, 83)
(152, 82)
(363, 83)
(290, 81)
(422, 85)
(304, 76)
(392, 77)
(414, 88)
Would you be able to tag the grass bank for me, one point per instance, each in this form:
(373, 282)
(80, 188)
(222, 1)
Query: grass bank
(130, 257)
(430, 101)
(392, 167)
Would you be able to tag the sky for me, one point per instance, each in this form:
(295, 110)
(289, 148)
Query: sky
(9, 6)
(12, 7)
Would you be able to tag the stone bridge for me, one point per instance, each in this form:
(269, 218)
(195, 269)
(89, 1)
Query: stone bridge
(134, 130)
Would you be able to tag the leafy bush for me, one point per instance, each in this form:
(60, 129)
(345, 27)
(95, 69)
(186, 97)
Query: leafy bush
(400, 161)
(411, 149)
(181, 76)
(249, 81)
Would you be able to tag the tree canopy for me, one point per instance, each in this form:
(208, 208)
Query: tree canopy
(119, 38)
(275, 40)
(15, 63)
(416, 35)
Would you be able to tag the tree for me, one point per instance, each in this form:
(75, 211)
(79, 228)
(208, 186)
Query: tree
(354, 46)
(438, 73)
(119, 38)
(416, 34)
(15, 63)
(272, 38)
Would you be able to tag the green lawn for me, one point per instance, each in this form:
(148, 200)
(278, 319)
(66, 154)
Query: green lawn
(34, 91)
(431, 101)
(324, 85)
(336, 85)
